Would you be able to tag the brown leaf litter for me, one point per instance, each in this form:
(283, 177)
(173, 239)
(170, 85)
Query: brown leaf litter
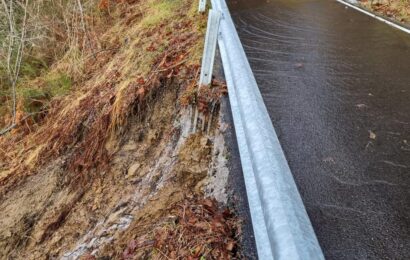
(193, 228)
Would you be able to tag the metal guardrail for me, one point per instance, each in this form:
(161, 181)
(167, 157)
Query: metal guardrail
(281, 225)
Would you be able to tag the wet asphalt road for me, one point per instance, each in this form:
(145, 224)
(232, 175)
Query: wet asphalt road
(337, 87)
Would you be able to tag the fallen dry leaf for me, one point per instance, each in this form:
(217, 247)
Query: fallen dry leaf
(372, 135)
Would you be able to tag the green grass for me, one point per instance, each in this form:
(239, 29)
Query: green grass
(35, 98)
(160, 10)
(32, 67)
(58, 85)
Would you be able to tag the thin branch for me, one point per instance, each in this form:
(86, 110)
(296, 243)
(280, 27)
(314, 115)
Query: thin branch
(86, 32)
(14, 73)
(7, 129)
(11, 127)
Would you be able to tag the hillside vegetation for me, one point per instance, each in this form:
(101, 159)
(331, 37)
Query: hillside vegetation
(398, 10)
(100, 153)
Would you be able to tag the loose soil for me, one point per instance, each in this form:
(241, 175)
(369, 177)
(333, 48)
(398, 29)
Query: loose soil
(132, 164)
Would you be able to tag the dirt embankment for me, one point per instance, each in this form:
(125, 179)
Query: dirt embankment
(397, 10)
(116, 169)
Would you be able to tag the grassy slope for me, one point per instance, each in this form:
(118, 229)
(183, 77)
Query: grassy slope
(136, 45)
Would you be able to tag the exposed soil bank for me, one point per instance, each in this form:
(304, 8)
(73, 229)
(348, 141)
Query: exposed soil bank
(160, 163)
(109, 170)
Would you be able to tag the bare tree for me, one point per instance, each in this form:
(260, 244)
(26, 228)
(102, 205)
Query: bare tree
(43, 29)
(16, 43)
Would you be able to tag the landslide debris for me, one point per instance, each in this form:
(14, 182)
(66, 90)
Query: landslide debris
(123, 161)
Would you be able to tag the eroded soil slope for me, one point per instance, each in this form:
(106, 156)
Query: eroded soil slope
(117, 168)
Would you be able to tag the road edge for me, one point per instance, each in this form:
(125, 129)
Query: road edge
(378, 17)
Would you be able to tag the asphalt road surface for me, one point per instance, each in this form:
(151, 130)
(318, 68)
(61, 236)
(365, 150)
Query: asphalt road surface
(337, 87)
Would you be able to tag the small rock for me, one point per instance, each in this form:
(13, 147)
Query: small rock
(133, 169)
(130, 146)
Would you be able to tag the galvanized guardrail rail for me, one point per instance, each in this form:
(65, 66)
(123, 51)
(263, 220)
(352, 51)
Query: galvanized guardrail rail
(281, 225)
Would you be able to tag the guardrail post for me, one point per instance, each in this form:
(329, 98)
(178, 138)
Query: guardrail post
(202, 6)
(208, 58)
(211, 38)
